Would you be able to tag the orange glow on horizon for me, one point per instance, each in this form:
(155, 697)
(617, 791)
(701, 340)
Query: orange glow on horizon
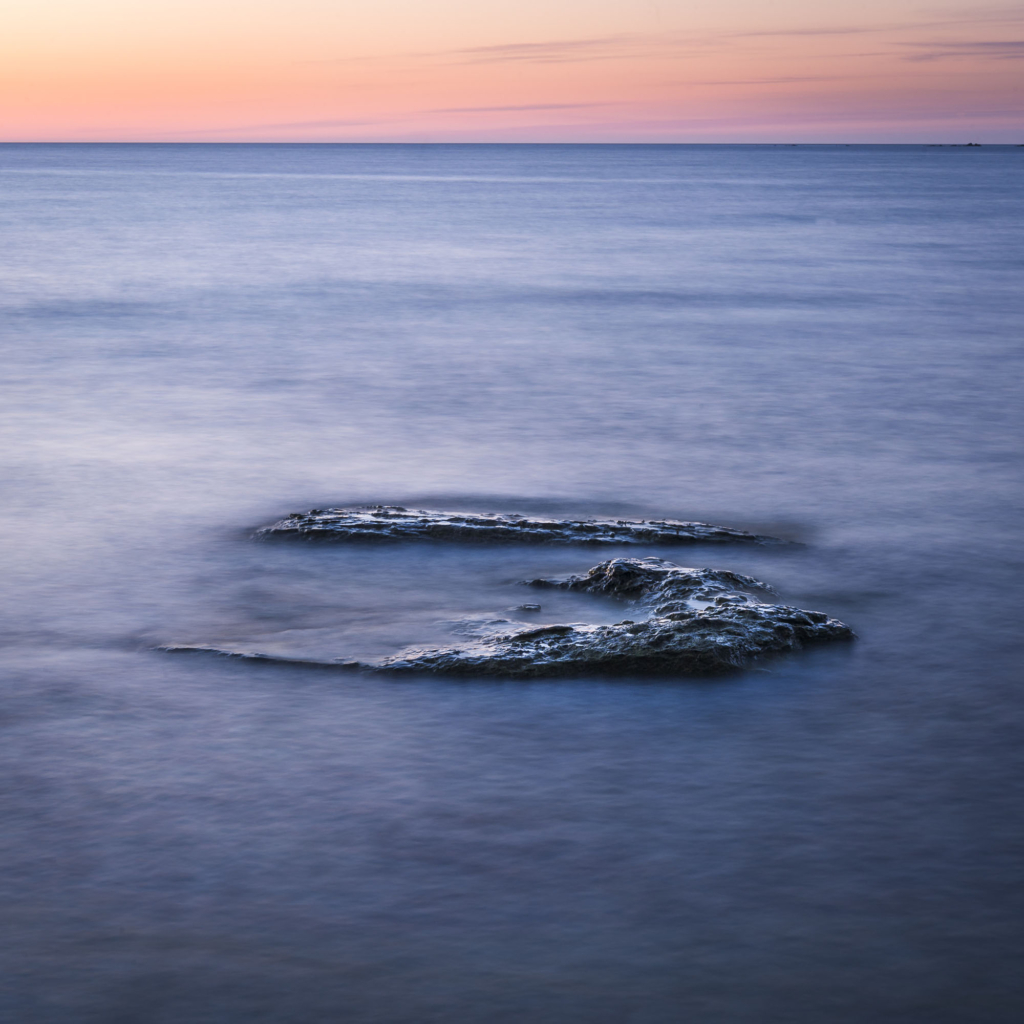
(564, 70)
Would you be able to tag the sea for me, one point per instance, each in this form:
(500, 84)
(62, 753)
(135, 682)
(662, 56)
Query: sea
(820, 343)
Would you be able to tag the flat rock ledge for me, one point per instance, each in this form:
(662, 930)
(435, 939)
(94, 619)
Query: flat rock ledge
(394, 523)
(689, 622)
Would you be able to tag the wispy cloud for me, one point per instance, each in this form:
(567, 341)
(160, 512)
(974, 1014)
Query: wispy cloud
(998, 49)
(398, 118)
(555, 52)
(283, 126)
(858, 30)
(622, 46)
(527, 106)
(787, 80)
(315, 124)
(973, 14)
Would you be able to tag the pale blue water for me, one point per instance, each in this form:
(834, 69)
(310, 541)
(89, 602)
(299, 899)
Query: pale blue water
(817, 341)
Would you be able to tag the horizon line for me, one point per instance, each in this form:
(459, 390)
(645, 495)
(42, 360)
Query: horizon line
(346, 142)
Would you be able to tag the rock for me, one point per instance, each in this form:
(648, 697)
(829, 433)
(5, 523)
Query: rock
(698, 622)
(394, 523)
(702, 622)
(653, 581)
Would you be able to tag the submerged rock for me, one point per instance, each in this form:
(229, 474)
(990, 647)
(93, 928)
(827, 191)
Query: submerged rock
(392, 522)
(701, 622)
(691, 622)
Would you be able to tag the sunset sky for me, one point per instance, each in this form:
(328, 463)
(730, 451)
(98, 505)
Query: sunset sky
(511, 71)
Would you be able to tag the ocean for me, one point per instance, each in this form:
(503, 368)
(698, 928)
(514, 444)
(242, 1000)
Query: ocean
(821, 343)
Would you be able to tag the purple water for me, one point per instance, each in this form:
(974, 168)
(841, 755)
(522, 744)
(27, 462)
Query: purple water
(819, 342)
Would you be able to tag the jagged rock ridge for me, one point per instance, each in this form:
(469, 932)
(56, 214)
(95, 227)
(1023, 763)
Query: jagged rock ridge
(394, 523)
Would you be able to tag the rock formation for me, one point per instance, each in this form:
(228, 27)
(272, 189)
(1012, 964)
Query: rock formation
(689, 622)
(394, 523)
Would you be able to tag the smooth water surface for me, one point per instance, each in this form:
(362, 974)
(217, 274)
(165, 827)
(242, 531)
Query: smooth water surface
(816, 342)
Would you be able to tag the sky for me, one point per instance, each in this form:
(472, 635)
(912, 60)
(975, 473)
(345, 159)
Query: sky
(511, 71)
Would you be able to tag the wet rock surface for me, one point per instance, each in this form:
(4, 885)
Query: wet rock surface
(699, 622)
(687, 622)
(394, 523)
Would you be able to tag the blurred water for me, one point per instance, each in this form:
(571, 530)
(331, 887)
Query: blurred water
(822, 342)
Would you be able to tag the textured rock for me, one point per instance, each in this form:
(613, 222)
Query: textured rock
(654, 582)
(689, 622)
(702, 622)
(394, 523)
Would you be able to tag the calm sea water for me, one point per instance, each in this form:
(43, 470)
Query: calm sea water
(819, 342)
